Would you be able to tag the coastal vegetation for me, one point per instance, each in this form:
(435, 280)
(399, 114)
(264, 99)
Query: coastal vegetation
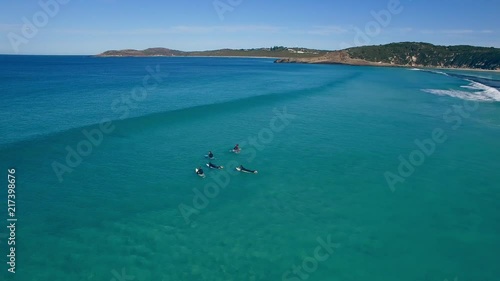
(428, 55)
(272, 52)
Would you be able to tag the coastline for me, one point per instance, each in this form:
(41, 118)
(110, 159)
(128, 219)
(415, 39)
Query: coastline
(236, 57)
(410, 67)
(256, 57)
(464, 69)
(368, 63)
(313, 60)
(402, 54)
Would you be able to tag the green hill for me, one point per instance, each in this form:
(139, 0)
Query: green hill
(273, 52)
(428, 55)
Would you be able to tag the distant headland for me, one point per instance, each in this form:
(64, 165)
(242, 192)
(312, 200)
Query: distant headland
(274, 52)
(404, 54)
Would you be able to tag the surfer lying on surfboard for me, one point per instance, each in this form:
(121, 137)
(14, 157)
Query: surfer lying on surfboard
(245, 170)
(213, 166)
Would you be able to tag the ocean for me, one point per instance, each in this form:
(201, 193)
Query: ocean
(364, 173)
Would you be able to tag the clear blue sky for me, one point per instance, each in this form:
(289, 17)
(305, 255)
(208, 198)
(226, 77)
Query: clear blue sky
(93, 26)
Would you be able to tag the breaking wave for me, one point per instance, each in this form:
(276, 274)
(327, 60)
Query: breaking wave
(478, 92)
(440, 72)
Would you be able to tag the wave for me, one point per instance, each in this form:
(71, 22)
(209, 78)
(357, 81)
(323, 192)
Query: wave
(479, 92)
(486, 80)
(480, 88)
(439, 72)
(430, 71)
(178, 115)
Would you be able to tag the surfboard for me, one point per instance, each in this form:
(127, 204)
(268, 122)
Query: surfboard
(245, 171)
(218, 167)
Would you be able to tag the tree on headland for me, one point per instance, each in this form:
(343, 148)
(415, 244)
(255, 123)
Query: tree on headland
(425, 54)
(278, 48)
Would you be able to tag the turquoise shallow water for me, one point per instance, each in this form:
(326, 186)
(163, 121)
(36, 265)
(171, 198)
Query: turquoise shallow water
(321, 173)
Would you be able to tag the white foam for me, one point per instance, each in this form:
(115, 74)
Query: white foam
(415, 69)
(440, 72)
(480, 92)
